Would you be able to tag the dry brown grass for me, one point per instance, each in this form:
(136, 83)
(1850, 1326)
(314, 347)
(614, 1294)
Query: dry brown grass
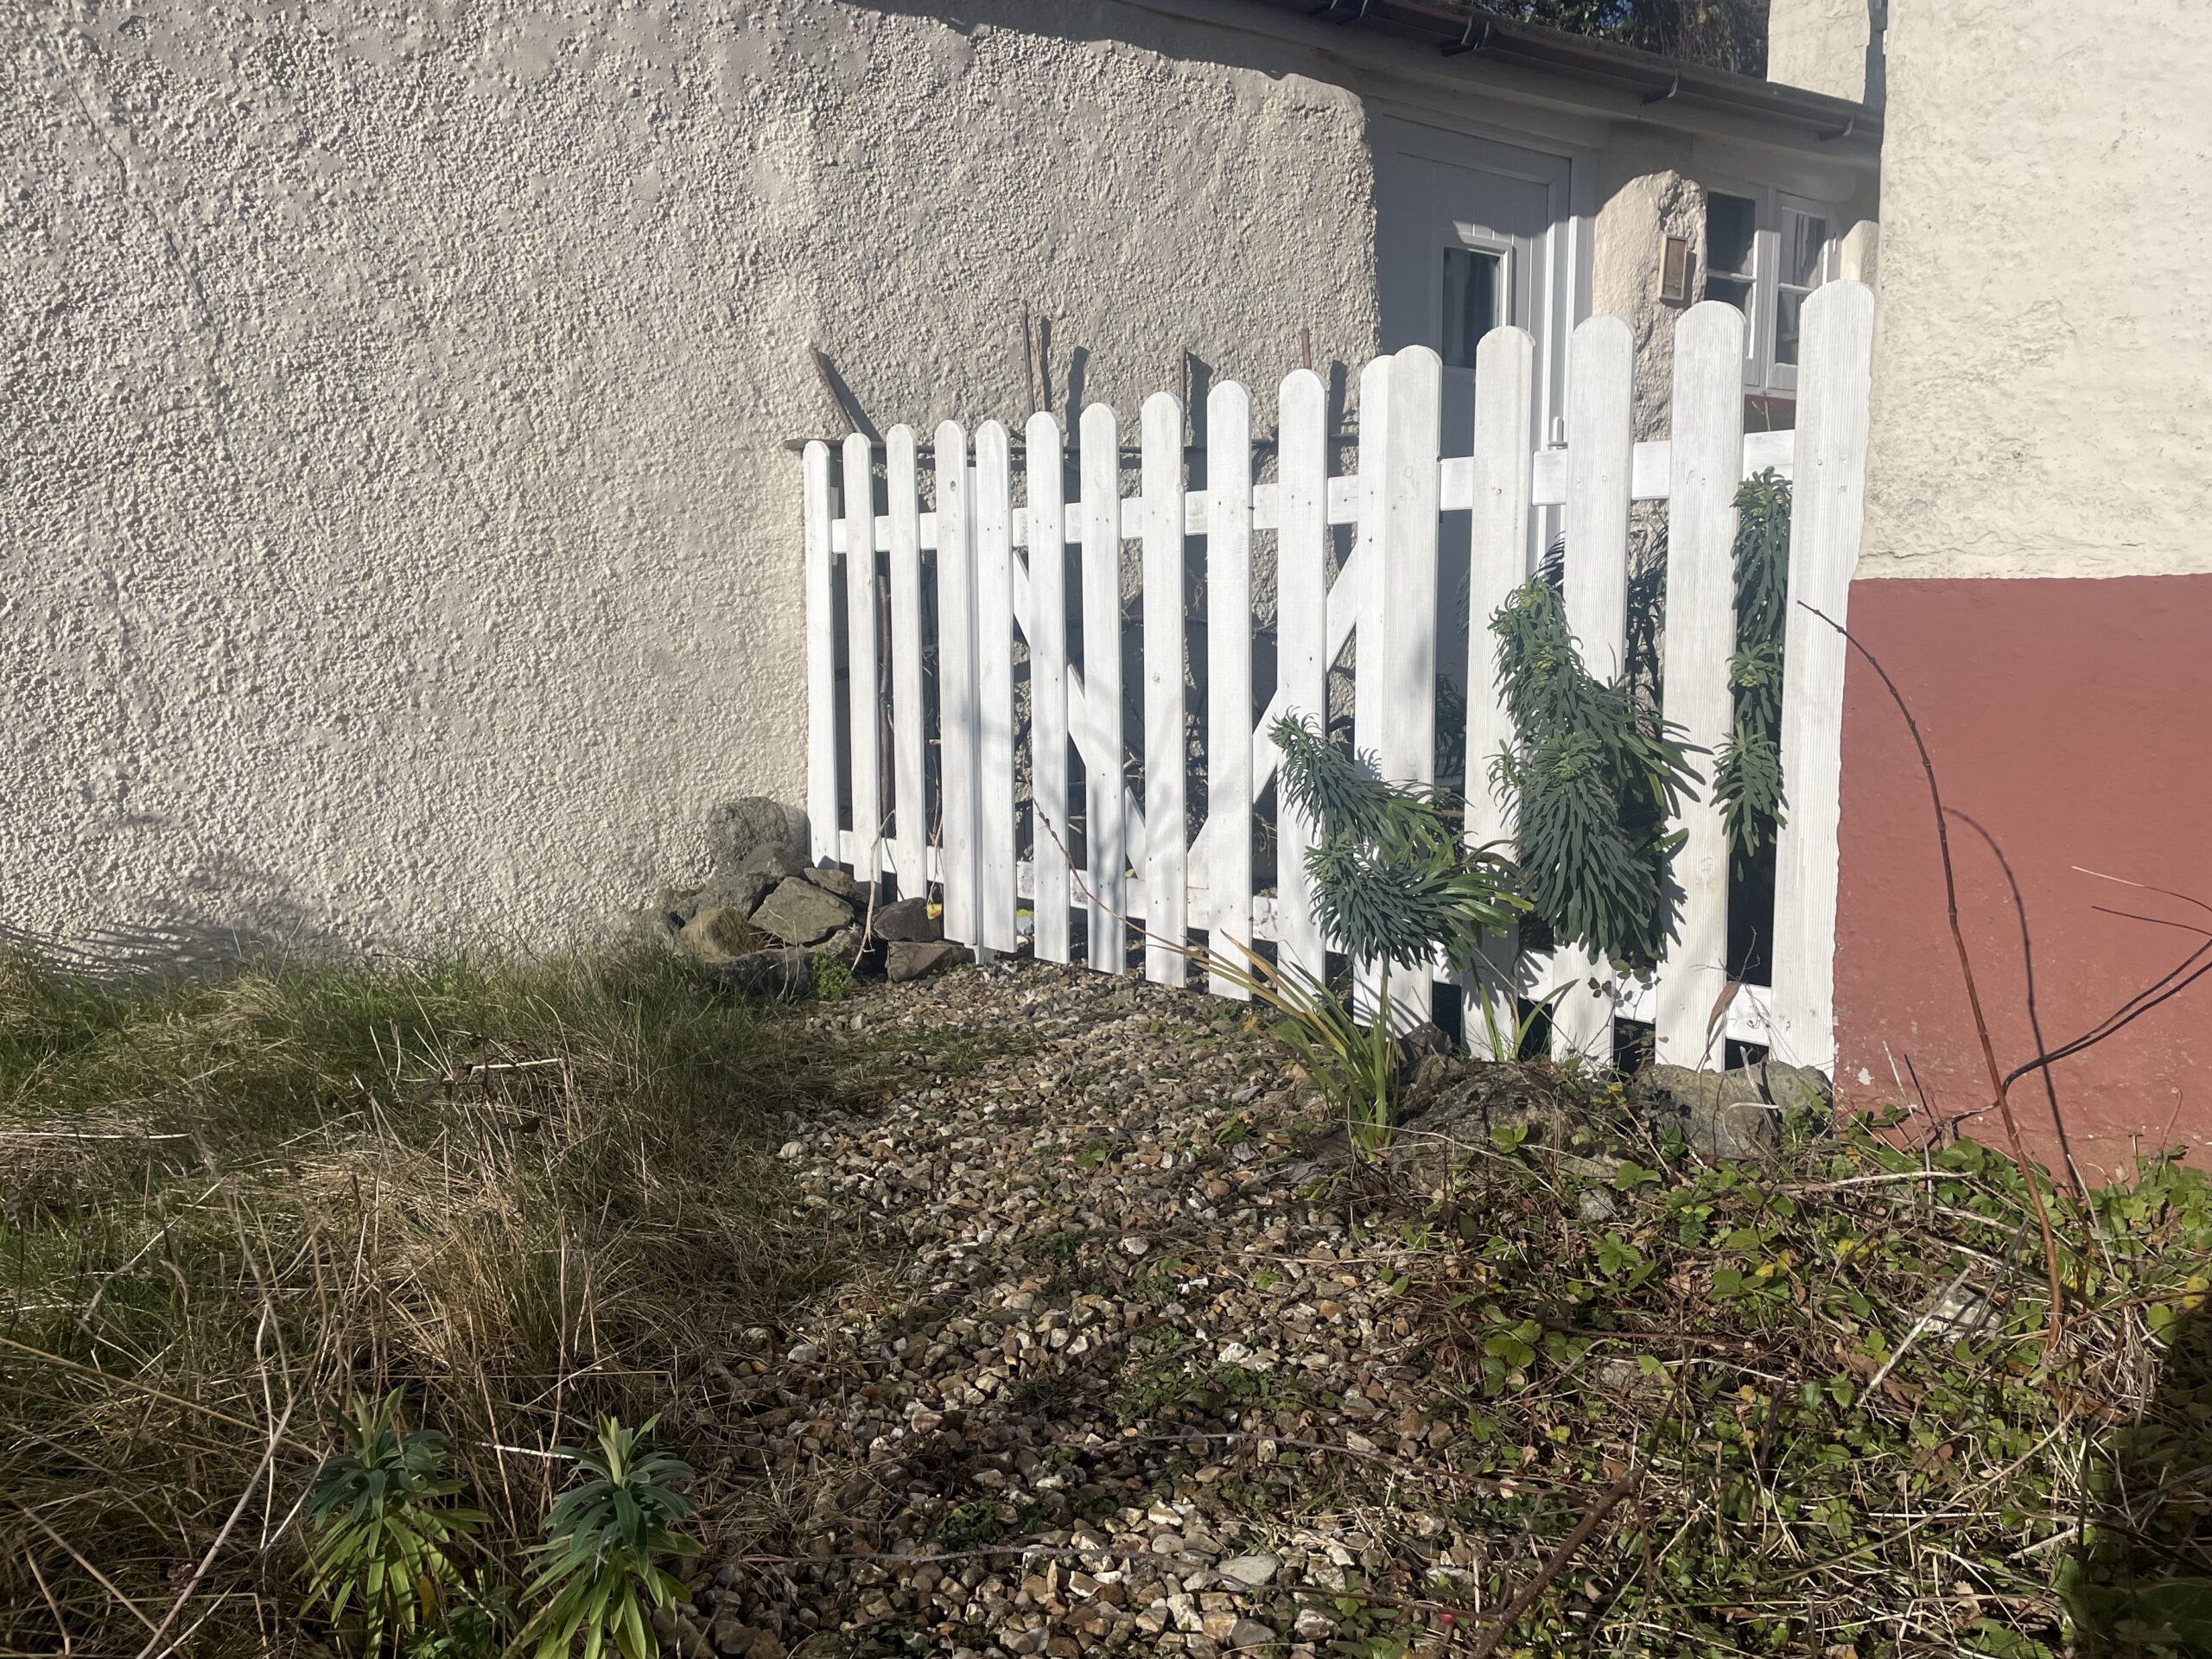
(519, 1194)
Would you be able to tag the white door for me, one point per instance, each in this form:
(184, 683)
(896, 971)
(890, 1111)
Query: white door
(1469, 237)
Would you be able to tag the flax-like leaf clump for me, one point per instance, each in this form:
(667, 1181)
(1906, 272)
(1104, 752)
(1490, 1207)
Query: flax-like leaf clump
(1594, 775)
(1393, 879)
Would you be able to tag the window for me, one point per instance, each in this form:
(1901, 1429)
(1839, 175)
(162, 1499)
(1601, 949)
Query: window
(1804, 257)
(1764, 253)
(1474, 287)
(1730, 227)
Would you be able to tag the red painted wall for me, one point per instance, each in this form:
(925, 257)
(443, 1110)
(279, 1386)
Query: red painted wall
(2070, 723)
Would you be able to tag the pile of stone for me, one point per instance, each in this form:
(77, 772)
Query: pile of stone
(768, 920)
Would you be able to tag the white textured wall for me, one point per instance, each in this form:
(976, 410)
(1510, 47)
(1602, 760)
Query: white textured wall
(398, 545)
(1819, 45)
(1636, 215)
(2044, 343)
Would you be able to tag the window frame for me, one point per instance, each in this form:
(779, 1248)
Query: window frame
(1762, 375)
(1467, 237)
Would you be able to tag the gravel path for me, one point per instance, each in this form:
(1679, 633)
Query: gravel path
(1128, 1383)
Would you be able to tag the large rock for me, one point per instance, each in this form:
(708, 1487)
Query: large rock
(1735, 1113)
(836, 880)
(912, 959)
(908, 919)
(754, 834)
(721, 933)
(788, 974)
(741, 892)
(798, 912)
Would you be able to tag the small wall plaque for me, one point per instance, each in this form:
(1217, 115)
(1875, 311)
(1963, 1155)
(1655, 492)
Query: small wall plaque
(1675, 270)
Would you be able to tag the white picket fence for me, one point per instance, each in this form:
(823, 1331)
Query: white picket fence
(1385, 597)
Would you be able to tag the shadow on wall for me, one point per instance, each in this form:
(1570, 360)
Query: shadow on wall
(2141, 1583)
(260, 921)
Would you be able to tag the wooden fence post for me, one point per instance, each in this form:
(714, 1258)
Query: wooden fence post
(1166, 858)
(1050, 848)
(863, 695)
(1229, 678)
(911, 806)
(994, 829)
(820, 661)
(1707, 463)
(1601, 444)
(1505, 384)
(958, 710)
(1105, 838)
(1301, 641)
(1827, 508)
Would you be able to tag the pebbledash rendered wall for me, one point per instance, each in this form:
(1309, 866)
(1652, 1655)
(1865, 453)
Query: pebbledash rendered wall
(399, 542)
(2037, 572)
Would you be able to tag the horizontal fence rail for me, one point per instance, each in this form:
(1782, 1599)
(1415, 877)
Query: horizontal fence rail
(915, 777)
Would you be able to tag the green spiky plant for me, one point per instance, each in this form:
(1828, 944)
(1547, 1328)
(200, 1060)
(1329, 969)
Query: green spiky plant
(1594, 775)
(1394, 883)
(1747, 781)
(381, 1559)
(606, 1541)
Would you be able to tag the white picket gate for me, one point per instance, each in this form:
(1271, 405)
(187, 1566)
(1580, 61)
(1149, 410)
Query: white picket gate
(1385, 596)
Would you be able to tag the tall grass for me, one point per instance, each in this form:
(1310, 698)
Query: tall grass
(520, 1194)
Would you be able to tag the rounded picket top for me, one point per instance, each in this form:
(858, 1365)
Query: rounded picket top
(1844, 298)
(1419, 360)
(1713, 326)
(1099, 425)
(1301, 383)
(949, 437)
(1502, 348)
(1042, 429)
(1605, 335)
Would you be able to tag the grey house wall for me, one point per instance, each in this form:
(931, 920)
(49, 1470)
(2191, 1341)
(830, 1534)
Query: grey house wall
(399, 546)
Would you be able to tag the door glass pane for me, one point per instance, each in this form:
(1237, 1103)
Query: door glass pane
(1789, 303)
(1729, 224)
(1473, 286)
(1803, 237)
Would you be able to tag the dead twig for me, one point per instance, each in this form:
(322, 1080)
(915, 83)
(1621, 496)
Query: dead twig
(1998, 1084)
(1551, 1568)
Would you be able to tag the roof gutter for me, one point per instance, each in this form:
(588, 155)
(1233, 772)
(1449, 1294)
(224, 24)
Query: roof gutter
(1457, 32)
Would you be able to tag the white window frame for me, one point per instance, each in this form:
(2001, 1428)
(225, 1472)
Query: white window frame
(1761, 374)
(1470, 238)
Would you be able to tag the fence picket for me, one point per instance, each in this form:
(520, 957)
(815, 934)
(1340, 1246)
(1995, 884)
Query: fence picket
(1367, 579)
(1166, 859)
(1407, 751)
(1505, 380)
(863, 690)
(1228, 678)
(1706, 454)
(821, 659)
(909, 796)
(1301, 638)
(994, 826)
(1050, 848)
(1103, 828)
(1827, 509)
(958, 734)
(1600, 437)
